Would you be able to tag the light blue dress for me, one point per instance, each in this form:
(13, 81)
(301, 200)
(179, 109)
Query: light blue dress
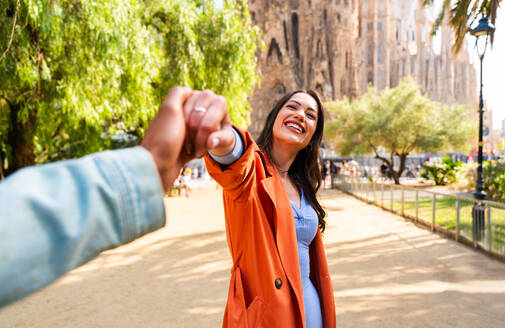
(306, 225)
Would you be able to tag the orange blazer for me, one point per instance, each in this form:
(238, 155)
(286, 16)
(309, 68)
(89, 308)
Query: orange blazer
(265, 288)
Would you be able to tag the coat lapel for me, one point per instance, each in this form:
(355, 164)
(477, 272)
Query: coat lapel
(285, 233)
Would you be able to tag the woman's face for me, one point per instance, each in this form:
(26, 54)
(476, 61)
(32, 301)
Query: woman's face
(296, 121)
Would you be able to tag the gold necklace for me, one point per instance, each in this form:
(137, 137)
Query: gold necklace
(278, 168)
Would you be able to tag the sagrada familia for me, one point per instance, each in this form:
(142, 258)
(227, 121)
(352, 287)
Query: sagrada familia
(339, 47)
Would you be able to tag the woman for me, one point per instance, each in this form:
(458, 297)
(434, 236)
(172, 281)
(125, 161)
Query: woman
(273, 219)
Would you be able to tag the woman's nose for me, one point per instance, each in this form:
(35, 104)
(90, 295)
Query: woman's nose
(300, 114)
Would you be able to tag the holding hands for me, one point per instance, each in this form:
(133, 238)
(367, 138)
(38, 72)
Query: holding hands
(188, 124)
(208, 124)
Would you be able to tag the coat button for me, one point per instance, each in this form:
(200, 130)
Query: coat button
(278, 283)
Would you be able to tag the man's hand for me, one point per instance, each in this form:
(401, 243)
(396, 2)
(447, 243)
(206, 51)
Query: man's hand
(208, 124)
(165, 136)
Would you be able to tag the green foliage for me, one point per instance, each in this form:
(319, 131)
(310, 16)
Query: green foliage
(461, 15)
(77, 73)
(82, 69)
(397, 121)
(441, 172)
(493, 173)
(206, 48)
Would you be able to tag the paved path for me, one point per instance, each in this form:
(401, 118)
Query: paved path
(386, 273)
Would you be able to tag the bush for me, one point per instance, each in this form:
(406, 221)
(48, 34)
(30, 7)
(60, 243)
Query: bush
(466, 175)
(493, 173)
(441, 173)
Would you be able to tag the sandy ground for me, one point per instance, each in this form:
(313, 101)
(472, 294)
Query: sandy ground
(386, 273)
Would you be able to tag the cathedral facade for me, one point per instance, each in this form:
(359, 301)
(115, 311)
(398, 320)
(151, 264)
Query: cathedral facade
(339, 47)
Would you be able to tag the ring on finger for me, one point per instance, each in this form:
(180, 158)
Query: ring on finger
(200, 109)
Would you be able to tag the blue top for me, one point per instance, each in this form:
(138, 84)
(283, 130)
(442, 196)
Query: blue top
(57, 216)
(306, 225)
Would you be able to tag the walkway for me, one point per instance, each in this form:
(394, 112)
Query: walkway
(386, 273)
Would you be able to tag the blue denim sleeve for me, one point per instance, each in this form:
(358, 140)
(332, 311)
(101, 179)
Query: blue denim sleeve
(58, 216)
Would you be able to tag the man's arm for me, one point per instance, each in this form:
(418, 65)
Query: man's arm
(56, 217)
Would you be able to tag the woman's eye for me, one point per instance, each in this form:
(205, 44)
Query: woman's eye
(291, 107)
(311, 116)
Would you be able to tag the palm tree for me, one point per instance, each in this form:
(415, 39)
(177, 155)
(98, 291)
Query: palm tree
(462, 14)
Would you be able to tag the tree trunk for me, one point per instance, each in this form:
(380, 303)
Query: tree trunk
(397, 174)
(20, 139)
(403, 159)
(394, 174)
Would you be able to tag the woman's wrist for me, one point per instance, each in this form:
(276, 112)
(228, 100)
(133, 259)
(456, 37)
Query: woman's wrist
(233, 155)
(225, 143)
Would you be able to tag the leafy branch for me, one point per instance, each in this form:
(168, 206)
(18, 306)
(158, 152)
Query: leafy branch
(12, 31)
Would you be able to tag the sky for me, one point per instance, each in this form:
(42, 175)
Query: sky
(494, 66)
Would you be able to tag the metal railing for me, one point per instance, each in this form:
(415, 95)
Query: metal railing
(478, 223)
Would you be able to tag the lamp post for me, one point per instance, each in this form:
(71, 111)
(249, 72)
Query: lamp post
(481, 33)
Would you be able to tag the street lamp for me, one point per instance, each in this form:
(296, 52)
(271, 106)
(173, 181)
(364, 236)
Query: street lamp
(481, 33)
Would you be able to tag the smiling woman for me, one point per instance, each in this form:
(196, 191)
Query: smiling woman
(273, 219)
(281, 141)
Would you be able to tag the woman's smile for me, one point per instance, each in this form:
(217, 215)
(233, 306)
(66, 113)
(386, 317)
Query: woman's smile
(295, 126)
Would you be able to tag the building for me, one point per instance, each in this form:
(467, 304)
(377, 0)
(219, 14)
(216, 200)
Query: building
(339, 47)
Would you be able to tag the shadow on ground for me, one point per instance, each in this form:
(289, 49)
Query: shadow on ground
(173, 282)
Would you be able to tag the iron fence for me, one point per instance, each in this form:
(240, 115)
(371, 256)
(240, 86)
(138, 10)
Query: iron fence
(479, 223)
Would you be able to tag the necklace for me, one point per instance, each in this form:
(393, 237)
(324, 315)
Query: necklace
(281, 170)
(278, 168)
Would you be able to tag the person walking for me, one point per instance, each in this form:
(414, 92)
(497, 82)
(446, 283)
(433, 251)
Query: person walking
(334, 173)
(325, 172)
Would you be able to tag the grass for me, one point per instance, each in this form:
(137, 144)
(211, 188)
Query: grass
(445, 215)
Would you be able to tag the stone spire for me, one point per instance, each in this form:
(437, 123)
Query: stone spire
(338, 47)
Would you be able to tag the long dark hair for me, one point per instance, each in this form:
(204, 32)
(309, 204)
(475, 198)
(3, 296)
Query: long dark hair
(304, 171)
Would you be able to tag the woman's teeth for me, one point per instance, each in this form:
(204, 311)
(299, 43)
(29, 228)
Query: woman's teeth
(295, 126)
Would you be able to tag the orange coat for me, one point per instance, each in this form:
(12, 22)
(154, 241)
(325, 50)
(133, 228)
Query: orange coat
(265, 288)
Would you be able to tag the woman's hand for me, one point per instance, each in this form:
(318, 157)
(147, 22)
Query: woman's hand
(208, 125)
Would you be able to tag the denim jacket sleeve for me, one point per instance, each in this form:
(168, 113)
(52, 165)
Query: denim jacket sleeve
(58, 216)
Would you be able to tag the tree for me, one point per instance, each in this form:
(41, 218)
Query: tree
(76, 74)
(208, 48)
(398, 121)
(462, 14)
